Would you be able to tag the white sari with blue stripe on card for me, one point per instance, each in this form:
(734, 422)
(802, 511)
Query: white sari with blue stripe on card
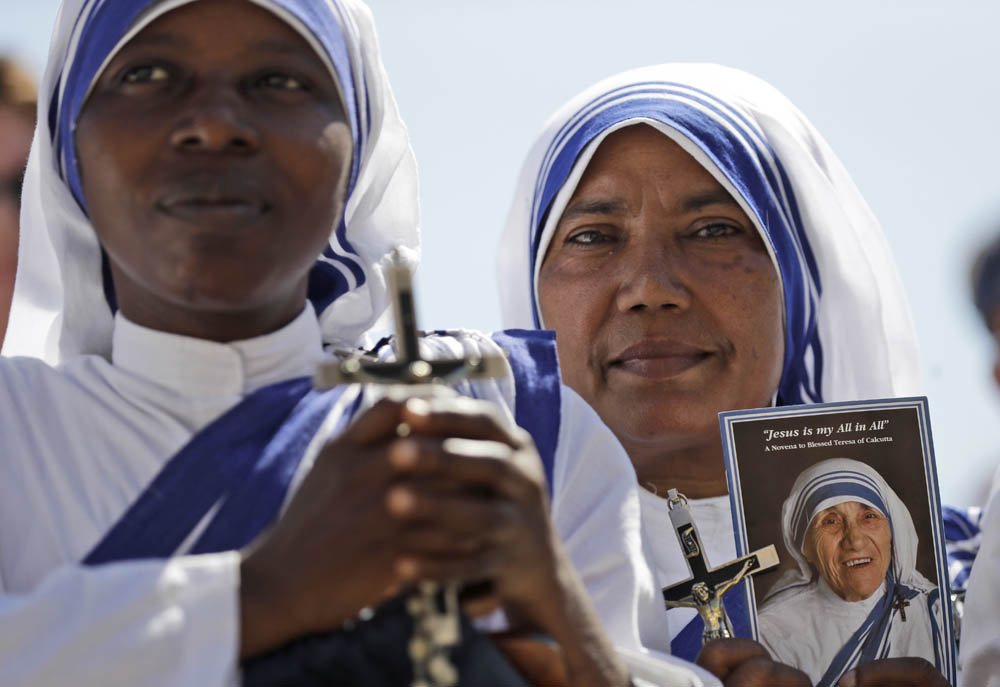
(848, 333)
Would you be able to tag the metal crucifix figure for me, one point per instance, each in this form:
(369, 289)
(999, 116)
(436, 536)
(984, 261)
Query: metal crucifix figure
(434, 609)
(704, 590)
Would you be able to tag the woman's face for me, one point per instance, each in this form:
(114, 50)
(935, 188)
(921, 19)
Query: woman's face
(214, 152)
(15, 140)
(850, 544)
(665, 301)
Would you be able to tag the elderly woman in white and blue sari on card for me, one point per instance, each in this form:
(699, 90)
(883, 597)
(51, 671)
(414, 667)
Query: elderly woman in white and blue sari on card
(856, 594)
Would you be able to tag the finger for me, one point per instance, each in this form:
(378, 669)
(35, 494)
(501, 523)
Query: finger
(450, 517)
(721, 657)
(761, 670)
(480, 606)
(894, 672)
(425, 455)
(476, 567)
(540, 661)
(461, 417)
(375, 424)
(430, 540)
(467, 463)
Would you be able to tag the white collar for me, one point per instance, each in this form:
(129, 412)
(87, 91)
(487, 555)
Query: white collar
(199, 368)
(834, 601)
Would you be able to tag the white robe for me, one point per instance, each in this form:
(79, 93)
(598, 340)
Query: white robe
(713, 517)
(806, 628)
(979, 657)
(78, 445)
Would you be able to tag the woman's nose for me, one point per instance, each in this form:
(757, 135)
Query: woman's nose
(852, 537)
(653, 277)
(215, 122)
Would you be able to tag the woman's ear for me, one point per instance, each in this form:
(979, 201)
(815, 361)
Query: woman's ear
(809, 549)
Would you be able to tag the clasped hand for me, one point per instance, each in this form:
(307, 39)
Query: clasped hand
(461, 498)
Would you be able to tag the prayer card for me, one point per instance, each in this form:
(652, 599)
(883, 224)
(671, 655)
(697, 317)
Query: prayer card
(848, 495)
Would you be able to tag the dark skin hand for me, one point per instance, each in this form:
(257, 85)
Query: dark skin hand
(537, 661)
(894, 672)
(745, 663)
(462, 498)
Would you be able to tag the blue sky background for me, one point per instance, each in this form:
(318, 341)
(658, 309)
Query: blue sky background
(906, 94)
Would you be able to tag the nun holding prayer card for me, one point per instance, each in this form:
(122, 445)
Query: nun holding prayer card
(848, 494)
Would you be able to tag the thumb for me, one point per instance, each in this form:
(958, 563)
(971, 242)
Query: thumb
(376, 424)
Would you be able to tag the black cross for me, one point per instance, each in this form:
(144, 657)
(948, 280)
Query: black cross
(434, 610)
(900, 605)
(409, 367)
(691, 546)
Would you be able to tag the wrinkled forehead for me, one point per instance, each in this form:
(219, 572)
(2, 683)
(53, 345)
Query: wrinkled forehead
(564, 176)
(830, 505)
(830, 489)
(552, 197)
(102, 29)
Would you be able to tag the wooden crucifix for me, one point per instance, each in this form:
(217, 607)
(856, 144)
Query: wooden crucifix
(704, 590)
(434, 609)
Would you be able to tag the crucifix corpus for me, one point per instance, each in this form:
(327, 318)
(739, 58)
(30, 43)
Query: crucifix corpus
(704, 590)
(434, 609)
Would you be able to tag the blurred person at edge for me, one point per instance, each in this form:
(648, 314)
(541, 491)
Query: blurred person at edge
(979, 656)
(17, 123)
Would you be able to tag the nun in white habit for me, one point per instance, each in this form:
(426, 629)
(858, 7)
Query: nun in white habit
(137, 461)
(980, 646)
(847, 332)
(811, 618)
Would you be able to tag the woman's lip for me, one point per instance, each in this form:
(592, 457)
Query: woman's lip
(658, 359)
(213, 209)
(658, 367)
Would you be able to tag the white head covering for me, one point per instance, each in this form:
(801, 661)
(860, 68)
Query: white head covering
(839, 480)
(848, 332)
(61, 306)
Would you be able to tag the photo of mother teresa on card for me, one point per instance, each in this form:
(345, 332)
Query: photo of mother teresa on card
(848, 494)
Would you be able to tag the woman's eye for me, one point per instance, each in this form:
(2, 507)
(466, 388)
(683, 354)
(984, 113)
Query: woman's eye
(145, 74)
(282, 82)
(588, 237)
(717, 231)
